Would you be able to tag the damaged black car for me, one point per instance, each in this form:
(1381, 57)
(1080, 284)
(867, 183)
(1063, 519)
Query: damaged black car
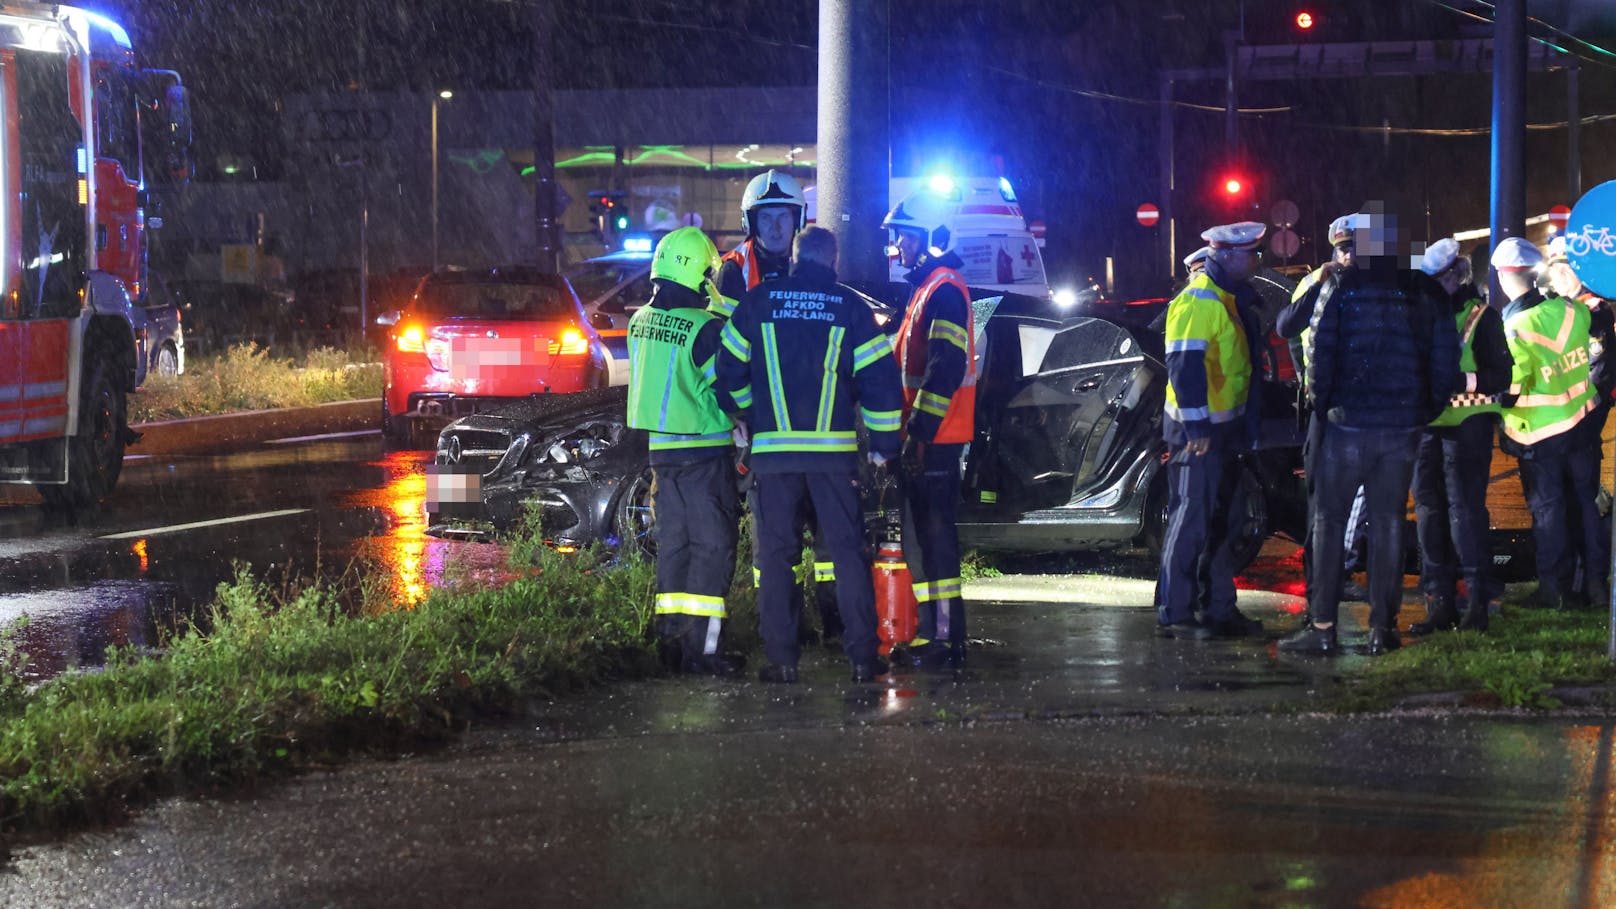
(1068, 453)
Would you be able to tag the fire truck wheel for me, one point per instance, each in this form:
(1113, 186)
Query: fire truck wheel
(95, 455)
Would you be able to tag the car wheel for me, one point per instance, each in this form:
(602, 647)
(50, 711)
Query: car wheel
(633, 519)
(1253, 530)
(1249, 537)
(168, 361)
(95, 455)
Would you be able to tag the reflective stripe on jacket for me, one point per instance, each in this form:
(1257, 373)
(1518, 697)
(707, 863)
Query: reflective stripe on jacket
(1208, 358)
(1468, 403)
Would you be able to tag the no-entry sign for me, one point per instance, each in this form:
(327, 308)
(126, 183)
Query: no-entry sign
(1148, 215)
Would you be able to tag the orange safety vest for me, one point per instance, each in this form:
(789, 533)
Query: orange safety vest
(742, 257)
(959, 421)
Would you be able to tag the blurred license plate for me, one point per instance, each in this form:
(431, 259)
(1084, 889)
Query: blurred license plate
(453, 491)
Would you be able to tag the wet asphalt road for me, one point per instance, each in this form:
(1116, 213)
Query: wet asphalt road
(1079, 761)
(153, 554)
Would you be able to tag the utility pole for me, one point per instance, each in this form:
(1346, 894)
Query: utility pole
(547, 241)
(855, 145)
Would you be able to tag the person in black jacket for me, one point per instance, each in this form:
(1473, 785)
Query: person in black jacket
(1455, 455)
(806, 363)
(1385, 361)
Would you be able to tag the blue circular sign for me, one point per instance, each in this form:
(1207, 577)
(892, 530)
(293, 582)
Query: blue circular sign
(1590, 237)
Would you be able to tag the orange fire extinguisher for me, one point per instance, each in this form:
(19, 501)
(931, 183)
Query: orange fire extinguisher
(896, 610)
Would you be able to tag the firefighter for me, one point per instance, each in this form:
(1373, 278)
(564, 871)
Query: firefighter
(798, 353)
(773, 210)
(1547, 412)
(673, 343)
(1385, 360)
(1212, 333)
(936, 350)
(1455, 455)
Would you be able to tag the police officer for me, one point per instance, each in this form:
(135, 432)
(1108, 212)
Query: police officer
(1385, 360)
(1455, 455)
(1563, 280)
(773, 209)
(673, 344)
(936, 349)
(1213, 341)
(798, 353)
(1195, 262)
(1546, 409)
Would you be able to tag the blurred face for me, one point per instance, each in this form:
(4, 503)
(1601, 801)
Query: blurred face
(1449, 280)
(775, 226)
(1239, 264)
(1563, 280)
(908, 248)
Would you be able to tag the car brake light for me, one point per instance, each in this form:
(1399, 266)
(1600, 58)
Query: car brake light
(572, 343)
(412, 340)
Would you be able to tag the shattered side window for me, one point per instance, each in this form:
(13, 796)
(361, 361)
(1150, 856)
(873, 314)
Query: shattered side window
(53, 238)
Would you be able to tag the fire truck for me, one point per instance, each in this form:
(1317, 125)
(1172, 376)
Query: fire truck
(88, 142)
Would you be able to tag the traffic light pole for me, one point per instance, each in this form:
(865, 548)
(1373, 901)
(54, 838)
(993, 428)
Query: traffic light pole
(547, 246)
(854, 169)
(1169, 225)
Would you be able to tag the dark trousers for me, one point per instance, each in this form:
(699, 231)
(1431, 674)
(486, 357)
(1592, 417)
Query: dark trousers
(1560, 476)
(931, 544)
(1451, 468)
(836, 502)
(1202, 517)
(830, 619)
(697, 510)
(1593, 426)
(1382, 462)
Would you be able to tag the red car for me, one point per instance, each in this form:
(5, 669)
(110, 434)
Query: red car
(469, 340)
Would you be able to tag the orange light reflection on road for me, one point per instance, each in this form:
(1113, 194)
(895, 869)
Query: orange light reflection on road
(139, 549)
(414, 561)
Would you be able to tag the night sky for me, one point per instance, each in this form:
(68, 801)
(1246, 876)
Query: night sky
(1021, 79)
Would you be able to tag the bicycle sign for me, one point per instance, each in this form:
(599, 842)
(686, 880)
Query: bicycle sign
(1591, 239)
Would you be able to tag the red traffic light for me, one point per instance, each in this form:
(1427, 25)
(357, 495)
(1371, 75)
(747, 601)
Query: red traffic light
(1304, 20)
(1233, 186)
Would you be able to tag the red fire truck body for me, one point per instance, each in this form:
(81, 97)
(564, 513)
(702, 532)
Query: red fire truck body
(85, 138)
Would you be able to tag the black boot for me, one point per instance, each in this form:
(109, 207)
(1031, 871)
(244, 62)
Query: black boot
(1440, 615)
(1475, 617)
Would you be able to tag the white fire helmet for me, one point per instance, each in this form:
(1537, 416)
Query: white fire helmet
(773, 188)
(927, 213)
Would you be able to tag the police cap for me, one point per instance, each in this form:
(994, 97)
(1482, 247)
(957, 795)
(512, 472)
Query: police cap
(1515, 253)
(1244, 235)
(1341, 229)
(1200, 255)
(1440, 256)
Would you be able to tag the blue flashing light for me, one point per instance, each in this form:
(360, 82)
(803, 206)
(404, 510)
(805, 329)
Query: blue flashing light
(84, 160)
(112, 27)
(1006, 190)
(941, 183)
(637, 244)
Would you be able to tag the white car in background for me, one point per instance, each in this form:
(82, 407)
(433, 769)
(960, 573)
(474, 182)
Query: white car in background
(612, 287)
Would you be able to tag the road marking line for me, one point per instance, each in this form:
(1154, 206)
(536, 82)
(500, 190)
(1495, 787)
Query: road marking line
(194, 525)
(330, 435)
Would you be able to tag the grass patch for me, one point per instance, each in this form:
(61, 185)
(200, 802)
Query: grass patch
(279, 678)
(246, 377)
(1517, 663)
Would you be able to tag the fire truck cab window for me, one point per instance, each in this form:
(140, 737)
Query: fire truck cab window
(120, 132)
(53, 236)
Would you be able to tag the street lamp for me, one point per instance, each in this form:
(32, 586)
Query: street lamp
(441, 96)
